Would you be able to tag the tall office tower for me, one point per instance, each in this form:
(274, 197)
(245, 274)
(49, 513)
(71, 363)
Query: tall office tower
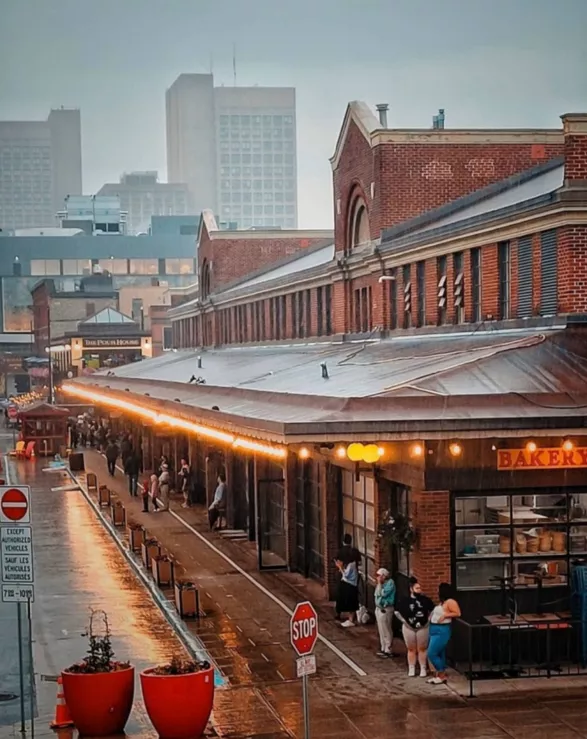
(143, 196)
(235, 147)
(40, 164)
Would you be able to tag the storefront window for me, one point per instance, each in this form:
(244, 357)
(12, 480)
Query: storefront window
(179, 266)
(144, 266)
(528, 537)
(358, 514)
(49, 267)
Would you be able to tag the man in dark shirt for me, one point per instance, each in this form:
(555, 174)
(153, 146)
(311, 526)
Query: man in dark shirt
(346, 554)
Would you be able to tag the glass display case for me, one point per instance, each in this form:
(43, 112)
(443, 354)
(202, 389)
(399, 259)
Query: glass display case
(530, 537)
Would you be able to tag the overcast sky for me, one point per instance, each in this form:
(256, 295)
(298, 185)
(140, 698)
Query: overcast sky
(502, 63)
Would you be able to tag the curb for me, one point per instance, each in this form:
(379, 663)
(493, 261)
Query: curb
(193, 645)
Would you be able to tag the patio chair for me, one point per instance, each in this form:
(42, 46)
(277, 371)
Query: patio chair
(18, 450)
(29, 452)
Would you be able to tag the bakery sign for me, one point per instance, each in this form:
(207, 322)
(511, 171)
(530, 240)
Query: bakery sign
(541, 459)
(112, 343)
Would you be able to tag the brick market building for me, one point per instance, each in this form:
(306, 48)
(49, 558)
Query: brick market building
(429, 360)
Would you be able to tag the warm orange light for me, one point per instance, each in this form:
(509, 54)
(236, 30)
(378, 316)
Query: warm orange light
(417, 450)
(355, 452)
(380, 451)
(304, 453)
(341, 452)
(568, 445)
(455, 449)
(175, 422)
(531, 446)
(370, 454)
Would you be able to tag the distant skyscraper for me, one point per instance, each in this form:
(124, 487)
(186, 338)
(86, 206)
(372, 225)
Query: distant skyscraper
(143, 196)
(235, 147)
(40, 164)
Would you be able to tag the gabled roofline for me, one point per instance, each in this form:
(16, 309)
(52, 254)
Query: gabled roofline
(361, 115)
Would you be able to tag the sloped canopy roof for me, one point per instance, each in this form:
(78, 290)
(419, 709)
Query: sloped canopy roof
(107, 316)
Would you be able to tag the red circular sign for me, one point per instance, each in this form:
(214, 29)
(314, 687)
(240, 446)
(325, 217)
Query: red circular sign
(14, 504)
(304, 628)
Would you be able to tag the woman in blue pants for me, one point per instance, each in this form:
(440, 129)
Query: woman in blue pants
(440, 630)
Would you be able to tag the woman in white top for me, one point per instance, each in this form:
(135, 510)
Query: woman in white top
(440, 630)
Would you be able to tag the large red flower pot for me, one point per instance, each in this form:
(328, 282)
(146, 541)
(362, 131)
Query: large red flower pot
(179, 706)
(99, 704)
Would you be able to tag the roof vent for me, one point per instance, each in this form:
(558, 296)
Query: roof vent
(382, 109)
(438, 120)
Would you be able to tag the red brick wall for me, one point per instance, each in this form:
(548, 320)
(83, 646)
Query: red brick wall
(232, 259)
(575, 157)
(430, 560)
(572, 269)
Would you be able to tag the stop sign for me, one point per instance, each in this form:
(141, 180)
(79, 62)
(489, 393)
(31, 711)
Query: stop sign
(304, 628)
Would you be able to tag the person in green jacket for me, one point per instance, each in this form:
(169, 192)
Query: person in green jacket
(384, 607)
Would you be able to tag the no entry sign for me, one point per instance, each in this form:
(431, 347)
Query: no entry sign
(15, 504)
(304, 628)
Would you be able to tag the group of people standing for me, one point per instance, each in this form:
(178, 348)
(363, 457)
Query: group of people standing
(426, 627)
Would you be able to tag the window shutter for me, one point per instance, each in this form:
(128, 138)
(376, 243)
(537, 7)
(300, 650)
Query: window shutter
(548, 270)
(525, 277)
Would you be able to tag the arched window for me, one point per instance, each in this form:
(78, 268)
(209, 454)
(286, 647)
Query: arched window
(205, 280)
(359, 231)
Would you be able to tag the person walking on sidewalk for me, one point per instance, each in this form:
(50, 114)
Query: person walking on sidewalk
(184, 475)
(164, 483)
(384, 607)
(440, 631)
(154, 491)
(218, 503)
(112, 454)
(414, 613)
(132, 468)
(145, 493)
(125, 448)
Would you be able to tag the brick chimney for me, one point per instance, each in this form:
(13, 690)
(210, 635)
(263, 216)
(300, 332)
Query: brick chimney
(575, 132)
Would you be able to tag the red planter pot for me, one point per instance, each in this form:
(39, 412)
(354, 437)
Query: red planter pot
(179, 706)
(99, 704)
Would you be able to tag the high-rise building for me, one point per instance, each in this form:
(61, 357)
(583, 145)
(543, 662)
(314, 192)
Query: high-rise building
(235, 147)
(143, 196)
(40, 164)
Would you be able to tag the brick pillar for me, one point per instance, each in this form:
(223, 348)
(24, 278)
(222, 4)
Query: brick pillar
(575, 132)
(450, 289)
(467, 278)
(430, 559)
(572, 269)
(490, 282)
(339, 308)
(431, 295)
(331, 524)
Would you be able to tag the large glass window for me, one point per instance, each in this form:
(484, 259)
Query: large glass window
(476, 285)
(47, 267)
(77, 266)
(529, 537)
(503, 269)
(144, 266)
(358, 517)
(114, 266)
(179, 266)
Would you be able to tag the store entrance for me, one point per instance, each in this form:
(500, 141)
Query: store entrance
(270, 528)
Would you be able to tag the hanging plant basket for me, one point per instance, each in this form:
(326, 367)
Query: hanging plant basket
(396, 531)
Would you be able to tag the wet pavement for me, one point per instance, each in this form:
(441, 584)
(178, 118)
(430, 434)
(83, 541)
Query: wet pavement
(245, 631)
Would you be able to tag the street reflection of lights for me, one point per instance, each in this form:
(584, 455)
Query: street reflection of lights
(455, 449)
(416, 450)
(531, 446)
(568, 445)
(304, 453)
(340, 452)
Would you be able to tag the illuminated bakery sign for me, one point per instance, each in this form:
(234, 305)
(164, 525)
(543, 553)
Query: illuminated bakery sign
(541, 459)
(112, 343)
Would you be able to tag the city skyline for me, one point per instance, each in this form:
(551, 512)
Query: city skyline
(495, 77)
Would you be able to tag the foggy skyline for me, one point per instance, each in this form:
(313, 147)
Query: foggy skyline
(516, 63)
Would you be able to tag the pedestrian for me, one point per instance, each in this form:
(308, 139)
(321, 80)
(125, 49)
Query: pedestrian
(112, 454)
(184, 475)
(73, 436)
(440, 631)
(145, 493)
(132, 468)
(101, 436)
(125, 448)
(347, 598)
(384, 607)
(215, 509)
(347, 553)
(414, 612)
(164, 482)
(154, 491)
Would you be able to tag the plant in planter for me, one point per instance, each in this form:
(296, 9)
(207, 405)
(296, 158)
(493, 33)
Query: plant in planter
(99, 690)
(396, 530)
(149, 548)
(179, 697)
(162, 569)
(187, 599)
(117, 513)
(136, 535)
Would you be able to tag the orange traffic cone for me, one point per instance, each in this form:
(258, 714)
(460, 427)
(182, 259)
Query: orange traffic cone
(62, 717)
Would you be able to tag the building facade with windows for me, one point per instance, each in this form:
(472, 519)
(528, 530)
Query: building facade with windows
(40, 164)
(426, 366)
(236, 149)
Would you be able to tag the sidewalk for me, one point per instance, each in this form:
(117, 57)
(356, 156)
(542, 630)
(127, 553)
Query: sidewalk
(354, 694)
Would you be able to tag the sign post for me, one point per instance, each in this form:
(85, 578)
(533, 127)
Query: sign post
(16, 565)
(304, 634)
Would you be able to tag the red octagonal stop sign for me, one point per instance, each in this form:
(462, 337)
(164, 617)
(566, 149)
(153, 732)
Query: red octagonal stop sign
(304, 628)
